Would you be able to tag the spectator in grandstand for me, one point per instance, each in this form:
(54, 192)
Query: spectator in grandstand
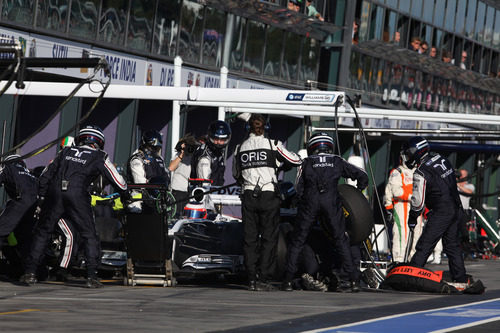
(355, 31)
(293, 5)
(397, 38)
(433, 52)
(415, 44)
(446, 56)
(463, 60)
(311, 10)
(424, 47)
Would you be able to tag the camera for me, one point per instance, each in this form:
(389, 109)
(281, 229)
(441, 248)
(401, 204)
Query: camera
(190, 144)
(189, 149)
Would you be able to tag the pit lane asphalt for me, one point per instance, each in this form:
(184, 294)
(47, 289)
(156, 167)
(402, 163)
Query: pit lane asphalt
(54, 307)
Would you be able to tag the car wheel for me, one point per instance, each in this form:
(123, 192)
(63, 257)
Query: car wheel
(359, 216)
(281, 249)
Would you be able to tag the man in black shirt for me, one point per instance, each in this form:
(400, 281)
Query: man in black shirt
(64, 189)
(318, 196)
(22, 188)
(435, 187)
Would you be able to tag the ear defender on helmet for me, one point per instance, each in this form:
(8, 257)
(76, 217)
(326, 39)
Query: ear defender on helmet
(91, 135)
(414, 151)
(219, 134)
(152, 139)
(11, 157)
(260, 118)
(320, 143)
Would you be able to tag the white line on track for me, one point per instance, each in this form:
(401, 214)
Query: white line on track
(476, 323)
(168, 299)
(325, 329)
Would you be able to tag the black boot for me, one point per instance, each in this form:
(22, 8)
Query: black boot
(93, 283)
(252, 285)
(355, 286)
(286, 286)
(62, 274)
(265, 286)
(28, 279)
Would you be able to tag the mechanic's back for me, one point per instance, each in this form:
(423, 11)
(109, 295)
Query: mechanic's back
(65, 187)
(437, 184)
(319, 177)
(74, 169)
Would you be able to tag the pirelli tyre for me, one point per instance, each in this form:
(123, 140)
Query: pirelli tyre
(359, 216)
(281, 249)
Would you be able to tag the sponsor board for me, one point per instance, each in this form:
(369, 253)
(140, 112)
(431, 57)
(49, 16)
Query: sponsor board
(47, 47)
(321, 98)
(13, 36)
(124, 68)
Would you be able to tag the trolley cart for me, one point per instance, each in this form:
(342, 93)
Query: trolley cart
(149, 248)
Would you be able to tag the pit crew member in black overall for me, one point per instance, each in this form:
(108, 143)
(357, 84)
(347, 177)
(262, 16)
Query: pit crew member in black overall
(435, 186)
(208, 160)
(64, 189)
(146, 165)
(255, 168)
(318, 195)
(22, 188)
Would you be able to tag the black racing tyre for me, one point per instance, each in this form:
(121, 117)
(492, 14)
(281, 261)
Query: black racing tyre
(281, 249)
(359, 219)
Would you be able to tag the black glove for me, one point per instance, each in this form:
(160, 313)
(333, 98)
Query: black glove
(36, 214)
(125, 196)
(361, 186)
(389, 216)
(412, 222)
(38, 209)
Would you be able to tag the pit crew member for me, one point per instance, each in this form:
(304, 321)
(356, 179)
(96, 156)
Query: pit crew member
(208, 160)
(255, 167)
(317, 183)
(64, 190)
(435, 187)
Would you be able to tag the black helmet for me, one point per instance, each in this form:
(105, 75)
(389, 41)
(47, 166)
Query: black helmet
(219, 130)
(13, 158)
(152, 139)
(413, 151)
(91, 135)
(320, 143)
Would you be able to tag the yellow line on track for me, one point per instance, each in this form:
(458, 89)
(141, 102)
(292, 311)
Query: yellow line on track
(20, 311)
(29, 310)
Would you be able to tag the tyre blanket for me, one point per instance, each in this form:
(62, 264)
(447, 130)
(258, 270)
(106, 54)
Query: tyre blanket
(406, 277)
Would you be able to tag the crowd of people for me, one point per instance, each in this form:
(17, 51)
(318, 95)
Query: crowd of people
(422, 47)
(61, 192)
(306, 6)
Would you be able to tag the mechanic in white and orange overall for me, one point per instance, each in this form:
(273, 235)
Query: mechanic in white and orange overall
(397, 205)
